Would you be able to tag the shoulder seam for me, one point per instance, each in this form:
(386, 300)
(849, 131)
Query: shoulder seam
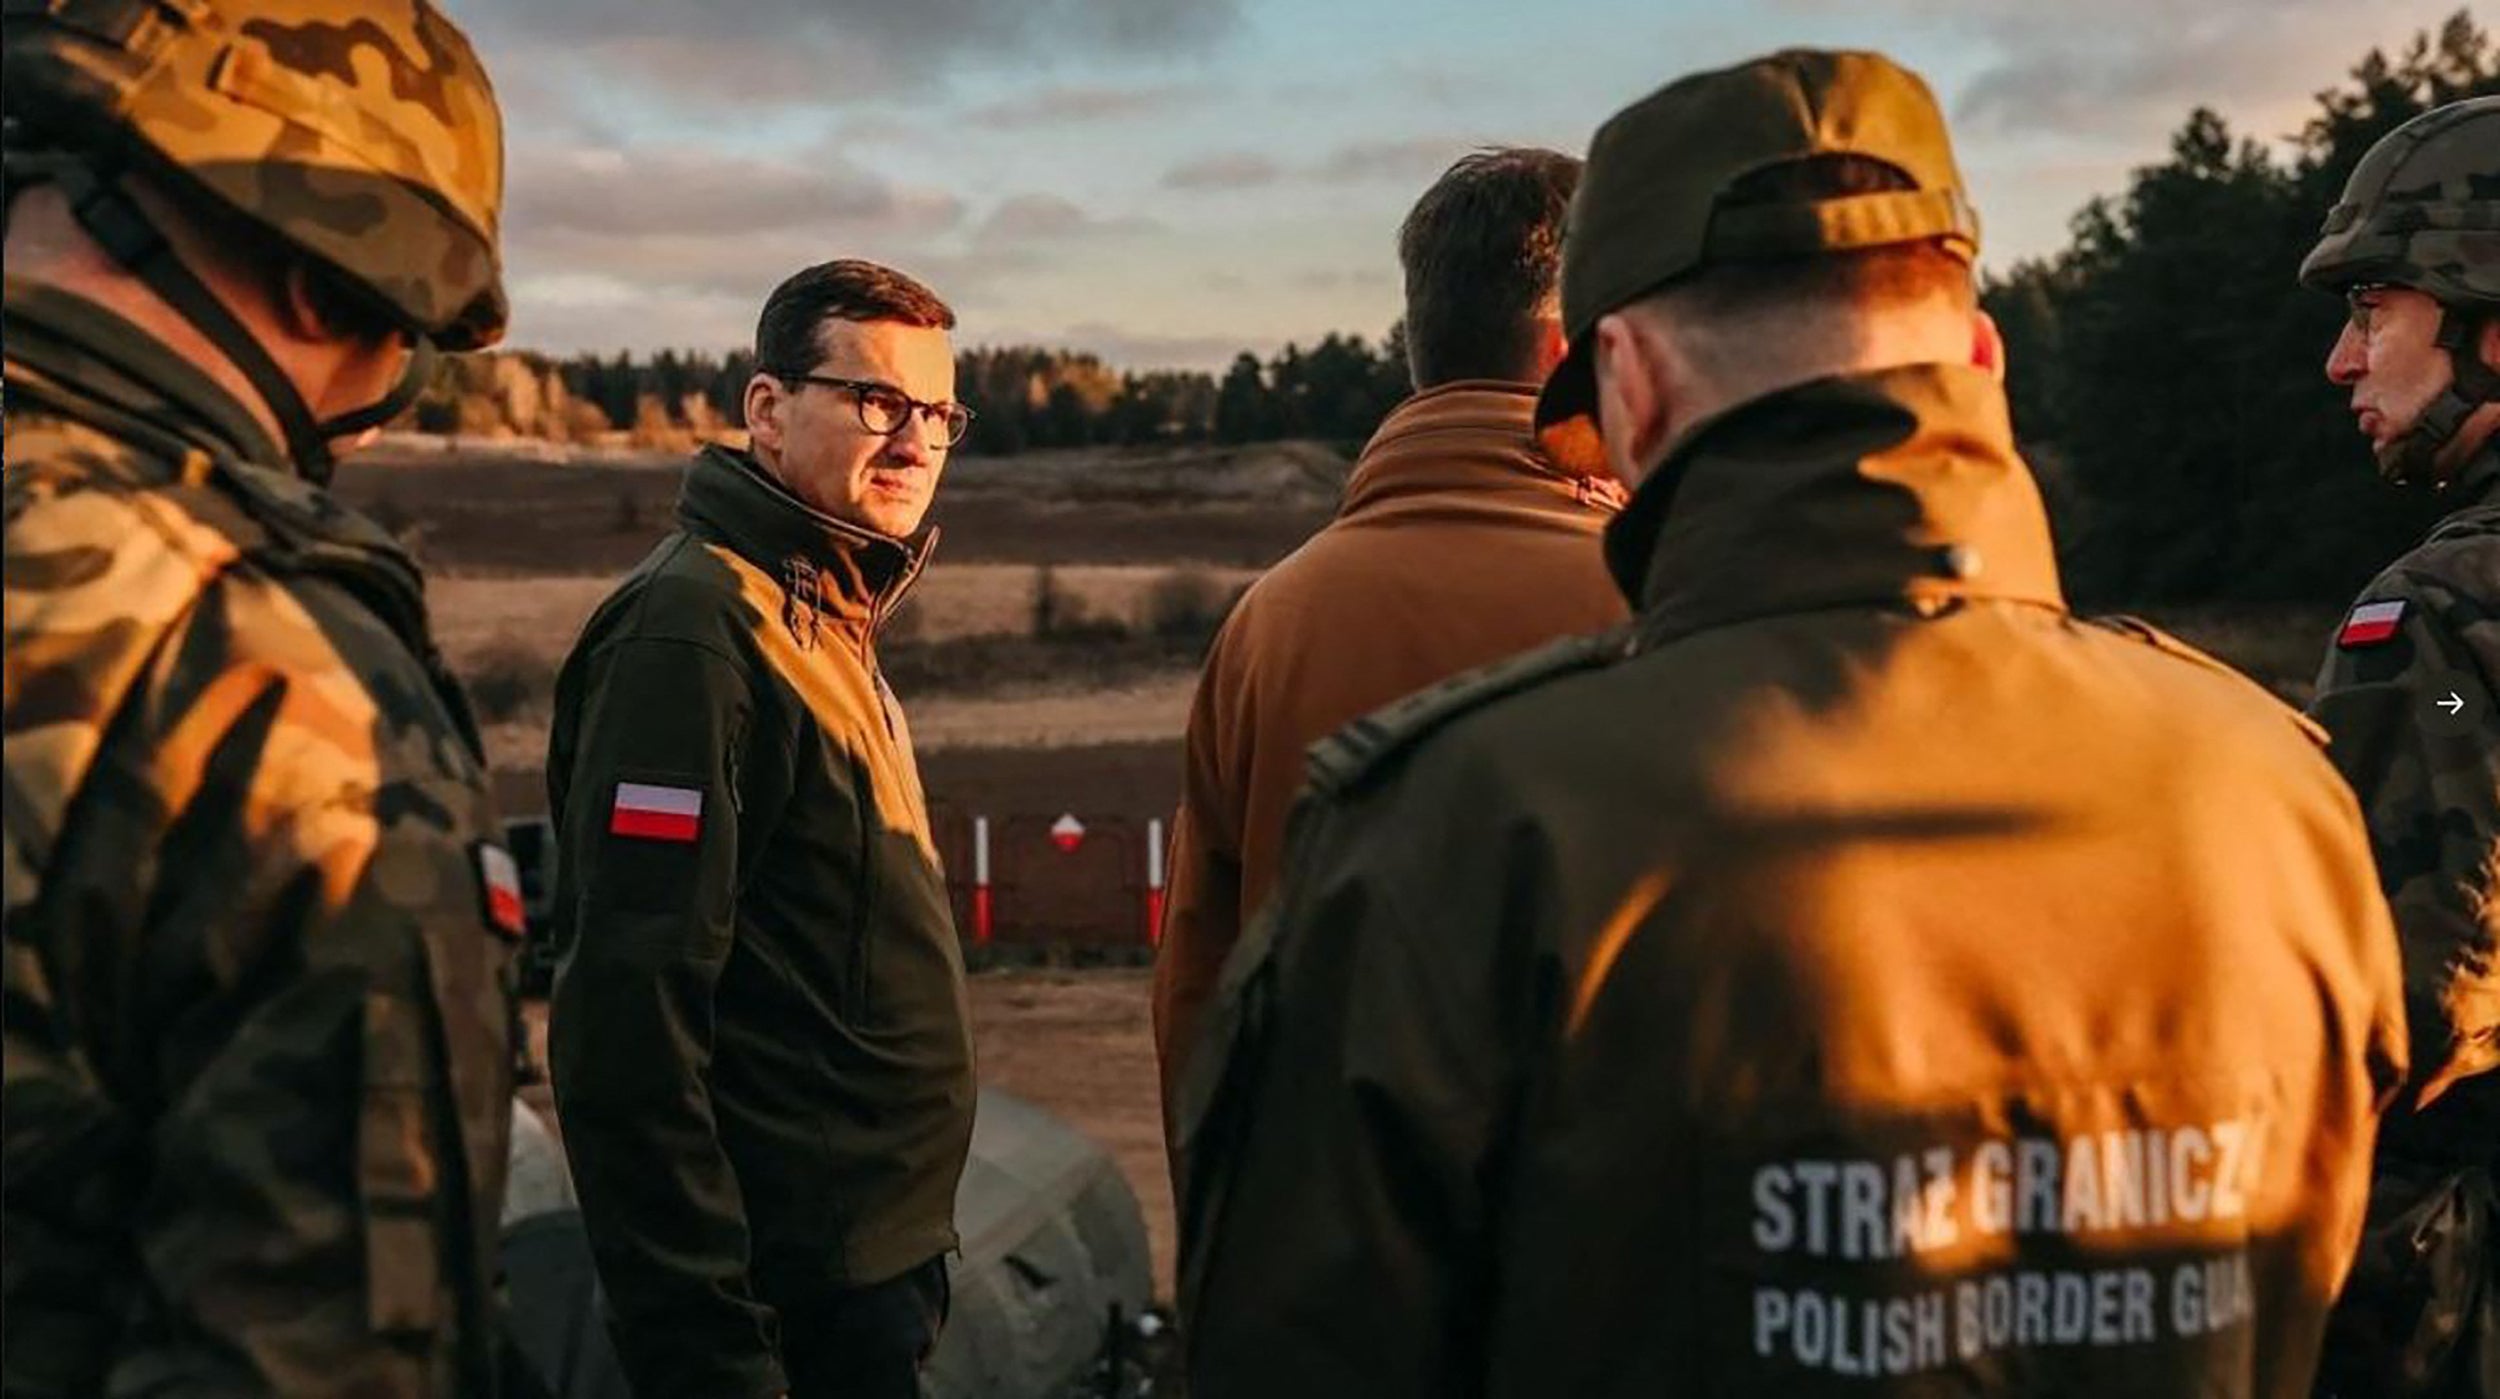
(1347, 758)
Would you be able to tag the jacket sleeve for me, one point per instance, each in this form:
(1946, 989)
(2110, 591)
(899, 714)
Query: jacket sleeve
(1202, 917)
(2429, 788)
(231, 1165)
(1342, 1148)
(647, 817)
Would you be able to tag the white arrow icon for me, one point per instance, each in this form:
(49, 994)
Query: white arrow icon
(2453, 704)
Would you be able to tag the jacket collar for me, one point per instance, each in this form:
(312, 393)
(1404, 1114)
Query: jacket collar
(830, 570)
(197, 445)
(1900, 485)
(2478, 485)
(1466, 436)
(97, 365)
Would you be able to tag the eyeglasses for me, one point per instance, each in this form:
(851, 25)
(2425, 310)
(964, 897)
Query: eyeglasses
(885, 409)
(2361, 300)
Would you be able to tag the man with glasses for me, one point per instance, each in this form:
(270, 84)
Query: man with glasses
(2408, 688)
(761, 1050)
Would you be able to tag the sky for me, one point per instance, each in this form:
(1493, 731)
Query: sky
(1168, 182)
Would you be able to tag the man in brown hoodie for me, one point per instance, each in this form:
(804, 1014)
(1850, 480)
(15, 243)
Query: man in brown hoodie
(1458, 544)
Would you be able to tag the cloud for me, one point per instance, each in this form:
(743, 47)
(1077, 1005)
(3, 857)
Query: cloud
(1028, 219)
(574, 293)
(616, 193)
(1124, 348)
(1360, 162)
(1068, 106)
(1335, 279)
(1230, 170)
(1422, 157)
(2122, 72)
(824, 52)
(630, 237)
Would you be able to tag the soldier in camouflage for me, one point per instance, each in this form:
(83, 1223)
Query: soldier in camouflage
(2408, 691)
(257, 945)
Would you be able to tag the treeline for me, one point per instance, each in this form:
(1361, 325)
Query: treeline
(2166, 371)
(1023, 396)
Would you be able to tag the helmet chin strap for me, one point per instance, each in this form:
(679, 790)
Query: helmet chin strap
(2412, 460)
(123, 230)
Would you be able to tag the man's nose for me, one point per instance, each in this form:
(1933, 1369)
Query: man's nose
(2346, 360)
(910, 443)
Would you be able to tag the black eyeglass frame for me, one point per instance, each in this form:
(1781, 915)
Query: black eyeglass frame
(956, 417)
(2357, 310)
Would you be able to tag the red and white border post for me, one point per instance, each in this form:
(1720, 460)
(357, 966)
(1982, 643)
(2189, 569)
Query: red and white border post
(981, 925)
(1154, 882)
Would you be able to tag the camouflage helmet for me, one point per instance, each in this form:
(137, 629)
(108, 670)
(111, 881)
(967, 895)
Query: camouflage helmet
(2422, 210)
(362, 132)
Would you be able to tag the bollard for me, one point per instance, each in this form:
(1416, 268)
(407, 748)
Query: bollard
(1154, 882)
(981, 926)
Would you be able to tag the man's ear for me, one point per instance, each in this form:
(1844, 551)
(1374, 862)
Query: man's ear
(2487, 341)
(1551, 346)
(298, 306)
(763, 405)
(1987, 345)
(1635, 389)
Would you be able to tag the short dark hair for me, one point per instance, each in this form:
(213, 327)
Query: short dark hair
(1482, 250)
(1888, 275)
(789, 336)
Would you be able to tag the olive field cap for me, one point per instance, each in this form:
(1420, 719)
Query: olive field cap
(1653, 203)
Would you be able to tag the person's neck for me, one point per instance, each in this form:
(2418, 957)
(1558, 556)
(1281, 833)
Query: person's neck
(47, 246)
(2471, 441)
(1701, 398)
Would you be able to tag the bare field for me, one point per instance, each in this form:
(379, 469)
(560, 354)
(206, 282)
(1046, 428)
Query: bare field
(1081, 1043)
(1240, 507)
(1136, 780)
(481, 618)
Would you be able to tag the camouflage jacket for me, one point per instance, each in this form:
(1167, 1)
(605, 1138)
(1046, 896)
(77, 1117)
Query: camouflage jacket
(2409, 691)
(258, 1026)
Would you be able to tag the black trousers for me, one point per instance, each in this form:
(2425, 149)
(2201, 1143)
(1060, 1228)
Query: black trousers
(862, 1342)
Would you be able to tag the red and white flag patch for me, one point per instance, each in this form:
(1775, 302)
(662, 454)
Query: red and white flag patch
(2370, 624)
(499, 875)
(648, 811)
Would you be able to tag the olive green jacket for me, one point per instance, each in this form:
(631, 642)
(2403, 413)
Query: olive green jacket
(761, 1046)
(2415, 715)
(1860, 977)
(258, 983)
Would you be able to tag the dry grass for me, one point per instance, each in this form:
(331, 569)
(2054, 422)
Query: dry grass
(478, 616)
(1141, 711)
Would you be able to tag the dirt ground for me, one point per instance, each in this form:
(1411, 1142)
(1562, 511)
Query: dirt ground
(488, 517)
(1080, 1043)
(1136, 780)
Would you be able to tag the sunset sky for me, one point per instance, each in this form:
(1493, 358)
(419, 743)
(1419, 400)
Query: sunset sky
(1166, 182)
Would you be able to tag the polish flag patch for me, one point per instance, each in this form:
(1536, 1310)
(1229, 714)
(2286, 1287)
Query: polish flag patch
(499, 875)
(2370, 624)
(647, 811)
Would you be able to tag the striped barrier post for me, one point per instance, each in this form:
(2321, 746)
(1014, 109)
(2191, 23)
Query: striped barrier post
(981, 925)
(1154, 882)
